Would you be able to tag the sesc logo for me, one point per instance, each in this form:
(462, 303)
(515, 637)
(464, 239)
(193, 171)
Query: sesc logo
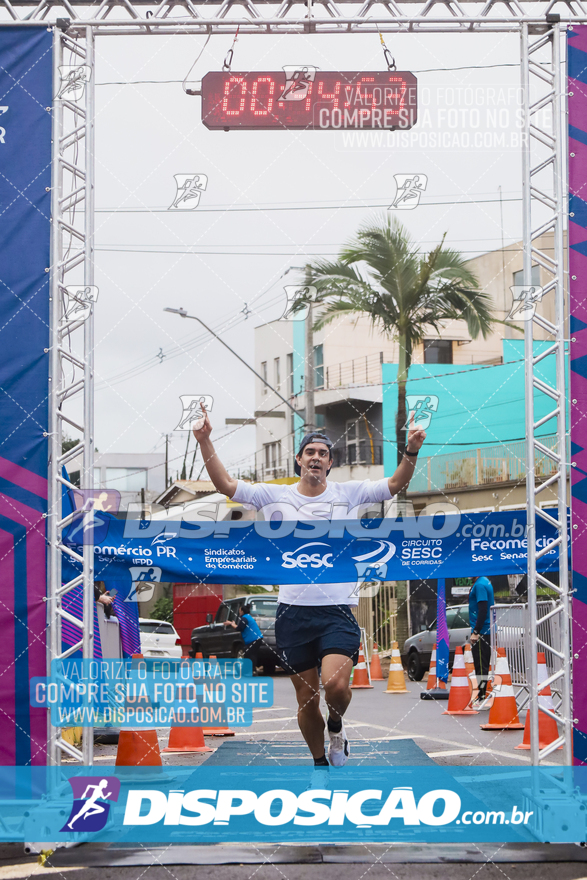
(298, 559)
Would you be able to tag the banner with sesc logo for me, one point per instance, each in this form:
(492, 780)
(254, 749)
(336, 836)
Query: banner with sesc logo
(444, 544)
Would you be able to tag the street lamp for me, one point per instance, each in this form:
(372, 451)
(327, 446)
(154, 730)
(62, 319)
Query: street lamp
(182, 313)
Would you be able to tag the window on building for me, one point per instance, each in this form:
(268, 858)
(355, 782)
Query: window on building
(438, 351)
(358, 442)
(273, 455)
(97, 477)
(290, 375)
(319, 366)
(519, 276)
(277, 373)
(264, 375)
(126, 479)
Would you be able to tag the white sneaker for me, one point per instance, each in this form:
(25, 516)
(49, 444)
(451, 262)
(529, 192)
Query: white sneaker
(339, 750)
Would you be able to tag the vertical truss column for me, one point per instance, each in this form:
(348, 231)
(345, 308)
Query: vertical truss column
(71, 379)
(543, 207)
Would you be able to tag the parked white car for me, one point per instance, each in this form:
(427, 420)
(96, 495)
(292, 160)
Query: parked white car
(159, 638)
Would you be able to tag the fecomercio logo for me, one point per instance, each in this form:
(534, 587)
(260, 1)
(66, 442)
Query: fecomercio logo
(90, 805)
(298, 559)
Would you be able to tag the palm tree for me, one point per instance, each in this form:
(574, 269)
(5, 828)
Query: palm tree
(382, 274)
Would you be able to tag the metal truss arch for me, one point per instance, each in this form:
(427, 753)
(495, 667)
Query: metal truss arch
(77, 25)
(71, 386)
(291, 17)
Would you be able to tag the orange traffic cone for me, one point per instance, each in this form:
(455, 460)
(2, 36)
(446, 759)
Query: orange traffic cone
(138, 748)
(503, 714)
(470, 669)
(468, 655)
(217, 731)
(458, 698)
(376, 670)
(361, 674)
(433, 682)
(547, 729)
(187, 739)
(396, 683)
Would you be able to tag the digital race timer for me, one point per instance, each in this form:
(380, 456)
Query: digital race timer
(309, 98)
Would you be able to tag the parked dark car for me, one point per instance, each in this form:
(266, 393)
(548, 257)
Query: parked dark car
(224, 641)
(417, 650)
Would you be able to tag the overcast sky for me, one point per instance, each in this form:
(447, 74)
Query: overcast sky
(147, 132)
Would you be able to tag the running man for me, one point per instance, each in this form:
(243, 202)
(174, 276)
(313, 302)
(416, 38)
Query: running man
(314, 623)
(91, 808)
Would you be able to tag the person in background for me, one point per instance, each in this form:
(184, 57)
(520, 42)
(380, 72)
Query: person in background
(480, 601)
(103, 597)
(252, 635)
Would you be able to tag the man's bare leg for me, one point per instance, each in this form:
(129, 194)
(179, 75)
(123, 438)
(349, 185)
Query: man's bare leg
(310, 720)
(336, 672)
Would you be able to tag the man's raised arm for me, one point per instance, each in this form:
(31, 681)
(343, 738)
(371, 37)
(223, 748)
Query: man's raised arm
(406, 467)
(216, 471)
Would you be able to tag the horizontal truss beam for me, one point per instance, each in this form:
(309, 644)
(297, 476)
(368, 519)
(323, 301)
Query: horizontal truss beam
(267, 17)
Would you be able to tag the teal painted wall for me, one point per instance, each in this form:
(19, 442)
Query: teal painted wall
(478, 406)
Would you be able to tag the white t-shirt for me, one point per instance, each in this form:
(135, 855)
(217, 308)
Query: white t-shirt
(338, 501)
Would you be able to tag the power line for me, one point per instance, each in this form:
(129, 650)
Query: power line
(308, 207)
(140, 82)
(226, 253)
(175, 351)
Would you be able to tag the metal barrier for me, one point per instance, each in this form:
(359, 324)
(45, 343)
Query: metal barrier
(377, 615)
(509, 630)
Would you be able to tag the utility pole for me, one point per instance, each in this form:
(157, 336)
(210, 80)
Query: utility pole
(194, 460)
(507, 332)
(166, 460)
(309, 379)
(185, 459)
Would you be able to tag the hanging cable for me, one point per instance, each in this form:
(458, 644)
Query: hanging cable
(389, 59)
(194, 91)
(230, 54)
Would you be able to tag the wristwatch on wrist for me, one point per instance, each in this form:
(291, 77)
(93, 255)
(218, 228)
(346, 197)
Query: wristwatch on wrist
(414, 454)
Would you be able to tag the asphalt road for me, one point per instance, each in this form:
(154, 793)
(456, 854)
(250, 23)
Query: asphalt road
(372, 715)
(375, 715)
(16, 867)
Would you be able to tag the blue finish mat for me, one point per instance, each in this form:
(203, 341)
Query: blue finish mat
(264, 753)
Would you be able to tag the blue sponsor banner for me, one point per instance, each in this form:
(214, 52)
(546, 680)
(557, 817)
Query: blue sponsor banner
(26, 87)
(140, 553)
(442, 636)
(229, 804)
(142, 693)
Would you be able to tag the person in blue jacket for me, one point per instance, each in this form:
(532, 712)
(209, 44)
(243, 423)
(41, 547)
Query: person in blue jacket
(249, 629)
(480, 601)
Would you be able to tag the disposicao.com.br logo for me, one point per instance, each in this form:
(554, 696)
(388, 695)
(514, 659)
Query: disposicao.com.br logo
(280, 807)
(90, 805)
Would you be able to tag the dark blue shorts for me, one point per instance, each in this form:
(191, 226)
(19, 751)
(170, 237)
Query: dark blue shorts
(306, 633)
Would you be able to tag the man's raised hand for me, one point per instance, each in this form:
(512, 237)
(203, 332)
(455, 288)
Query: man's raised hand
(202, 427)
(416, 436)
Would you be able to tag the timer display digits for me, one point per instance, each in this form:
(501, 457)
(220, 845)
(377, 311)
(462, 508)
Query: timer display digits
(327, 100)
